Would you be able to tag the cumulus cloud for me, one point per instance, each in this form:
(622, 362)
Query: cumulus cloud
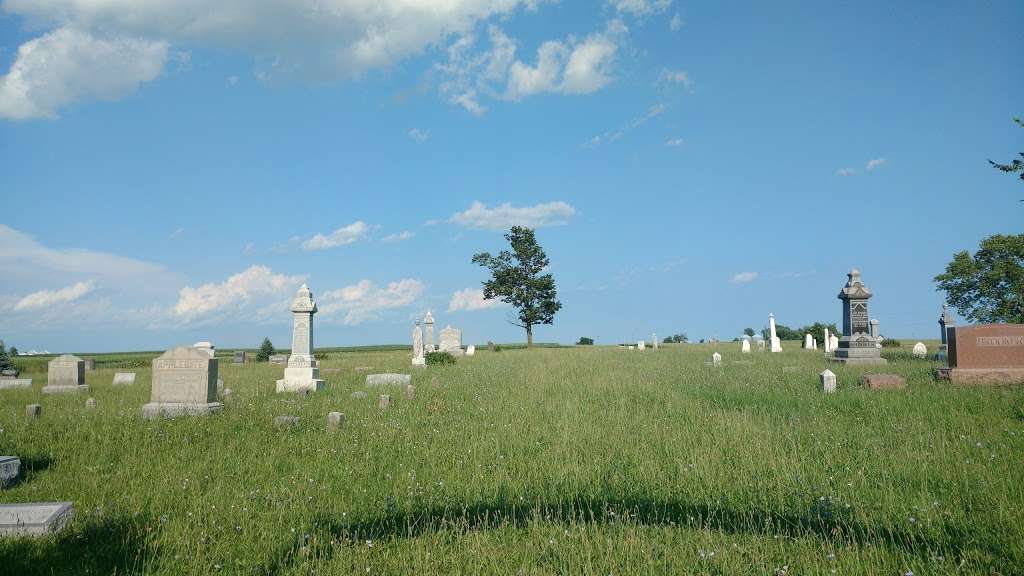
(68, 65)
(232, 294)
(875, 163)
(365, 300)
(48, 298)
(472, 299)
(398, 237)
(343, 236)
(745, 277)
(506, 215)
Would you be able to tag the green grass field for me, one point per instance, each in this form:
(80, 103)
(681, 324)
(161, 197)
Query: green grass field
(573, 460)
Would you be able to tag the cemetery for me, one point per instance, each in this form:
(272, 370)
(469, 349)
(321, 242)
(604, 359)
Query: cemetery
(297, 288)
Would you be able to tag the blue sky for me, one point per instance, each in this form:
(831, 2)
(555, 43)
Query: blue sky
(172, 171)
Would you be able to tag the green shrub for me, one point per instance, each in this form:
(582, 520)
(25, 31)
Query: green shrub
(584, 341)
(439, 358)
(890, 343)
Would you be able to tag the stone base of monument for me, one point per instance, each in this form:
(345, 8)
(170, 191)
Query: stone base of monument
(63, 389)
(982, 376)
(419, 362)
(13, 383)
(155, 410)
(34, 519)
(300, 385)
(857, 355)
(842, 360)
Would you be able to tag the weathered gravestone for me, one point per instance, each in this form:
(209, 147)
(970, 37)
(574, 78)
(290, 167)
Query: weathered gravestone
(385, 401)
(451, 341)
(858, 345)
(773, 338)
(278, 359)
(34, 519)
(13, 383)
(828, 382)
(985, 354)
(428, 328)
(410, 392)
(302, 372)
(90, 365)
(239, 357)
(33, 411)
(946, 321)
(10, 466)
(184, 383)
(66, 374)
(640, 344)
(745, 346)
(920, 350)
(716, 359)
(90, 403)
(123, 379)
(470, 350)
(335, 420)
(808, 342)
(418, 358)
(388, 379)
(285, 422)
(8, 374)
(359, 395)
(883, 381)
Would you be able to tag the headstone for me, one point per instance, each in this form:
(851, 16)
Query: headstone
(814, 343)
(451, 341)
(33, 411)
(833, 343)
(228, 393)
(417, 346)
(716, 359)
(123, 379)
(239, 357)
(385, 401)
(8, 374)
(285, 422)
(761, 345)
(34, 519)
(946, 321)
(9, 468)
(985, 354)
(90, 365)
(335, 420)
(874, 329)
(388, 379)
(857, 346)
(359, 395)
(90, 403)
(184, 383)
(640, 344)
(13, 383)
(776, 344)
(358, 369)
(490, 346)
(883, 381)
(470, 350)
(654, 341)
(278, 360)
(745, 346)
(828, 382)
(808, 342)
(410, 392)
(66, 374)
(428, 327)
(206, 347)
(302, 372)
(920, 350)
(827, 342)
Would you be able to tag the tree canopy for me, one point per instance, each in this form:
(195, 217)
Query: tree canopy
(987, 287)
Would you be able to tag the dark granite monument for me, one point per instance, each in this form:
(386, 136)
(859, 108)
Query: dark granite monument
(857, 345)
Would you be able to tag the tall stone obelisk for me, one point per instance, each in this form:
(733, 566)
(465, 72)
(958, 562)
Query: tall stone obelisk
(428, 325)
(774, 342)
(302, 373)
(858, 345)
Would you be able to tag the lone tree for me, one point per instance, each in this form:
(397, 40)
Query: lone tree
(266, 351)
(989, 286)
(517, 279)
(1015, 166)
(5, 361)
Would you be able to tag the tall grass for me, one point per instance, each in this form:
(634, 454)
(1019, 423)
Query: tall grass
(589, 460)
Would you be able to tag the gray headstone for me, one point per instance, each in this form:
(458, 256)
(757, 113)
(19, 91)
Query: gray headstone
(388, 379)
(33, 411)
(335, 420)
(11, 373)
(228, 393)
(184, 383)
(239, 357)
(828, 382)
(90, 403)
(65, 373)
(34, 519)
(359, 395)
(90, 364)
(14, 383)
(278, 359)
(9, 468)
(451, 341)
(385, 401)
(410, 391)
(124, 379)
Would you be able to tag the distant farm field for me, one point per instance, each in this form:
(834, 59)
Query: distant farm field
(586, 460)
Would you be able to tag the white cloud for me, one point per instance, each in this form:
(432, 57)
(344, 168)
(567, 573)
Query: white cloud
(472, 299)
(676, 23)
(677, 77)
(845, 172)
(48, 298)
(640, 7)
(419, 134)
(506, 215)
(633, 124)
(68, 65)
(365, 301)
(745, 277)
(178, 233)
(875, 163)
(345, 235)
(674, 142)
(233, 294)
(398, 237)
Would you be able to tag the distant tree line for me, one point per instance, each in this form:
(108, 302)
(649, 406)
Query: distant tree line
(675, 339)
(816, 330)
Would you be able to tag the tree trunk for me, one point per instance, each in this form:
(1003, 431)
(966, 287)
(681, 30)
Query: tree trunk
(529, 336)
